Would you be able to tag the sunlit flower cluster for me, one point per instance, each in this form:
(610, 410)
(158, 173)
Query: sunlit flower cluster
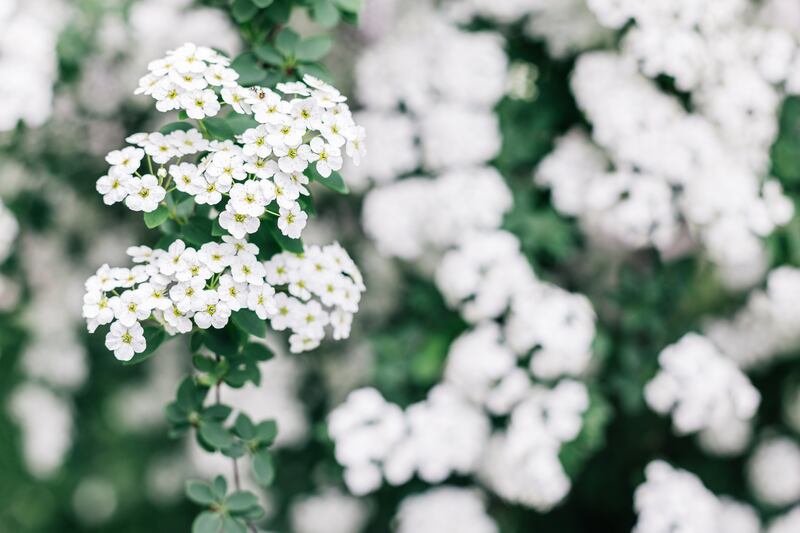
(183, 288)
(265, 169)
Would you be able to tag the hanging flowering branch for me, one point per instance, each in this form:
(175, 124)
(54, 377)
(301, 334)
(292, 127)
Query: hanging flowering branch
(229, 187)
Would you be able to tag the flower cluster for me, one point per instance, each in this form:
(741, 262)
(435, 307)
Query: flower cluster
(767, 328)
(676, 500)
(703, 389)
(567, 26)
(29, 59)
(656, 175)
(408, 217)
(266, 168)
(329, 510)
(445, 510)
(183, 288)
(428, 90)
(773, 471)
(522, 463)
(436, 437)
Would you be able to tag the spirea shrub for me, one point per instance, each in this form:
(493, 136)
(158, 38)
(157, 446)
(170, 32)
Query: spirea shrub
(231, 194)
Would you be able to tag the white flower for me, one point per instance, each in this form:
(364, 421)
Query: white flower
(154, 296)
(232, 293)
(178, 320)
(219, 75)
(248, 198)
(114, 186)
(247, 269)
(97, 308)
(188, 295)
(292, 221)
(127, 160)
(236, 98)
(328, 157)
(191, 265)
(200, 104)
(238, 224)
(254, 142)
(160, 148)
(356, 145)
(144, 194)
(261, 299)
(217, 256)
(292, 159)
(130, 307)
(186, 178)
(188, 142)
(125, 340)
(211, 312)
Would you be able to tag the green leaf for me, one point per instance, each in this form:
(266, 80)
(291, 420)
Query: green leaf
(219, 128)
(266, 431)
(185, 207)
(250, 73)
(316, 70)
(313, 48)
(248, 321)
(233, 525)
(175, 413)
(243, 10)
(182, 115)
(220, 487)
(216, 229)
(352, 6)
(294, 246)
(241, 123)
(199, 492)
(263, 3)
(153, 336)
(307, 204)
(286, 41)
(217, 412)
(257, 351)
(268, 54)
(241, 500)
(279, 11)
(324, 13)
(197, 231)
(334, 182)
(263, 469)
(203, 364)
(215, 435)
(175, 126)
(153, 219)
(207, 522)
(223, 341)
(243, 427)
